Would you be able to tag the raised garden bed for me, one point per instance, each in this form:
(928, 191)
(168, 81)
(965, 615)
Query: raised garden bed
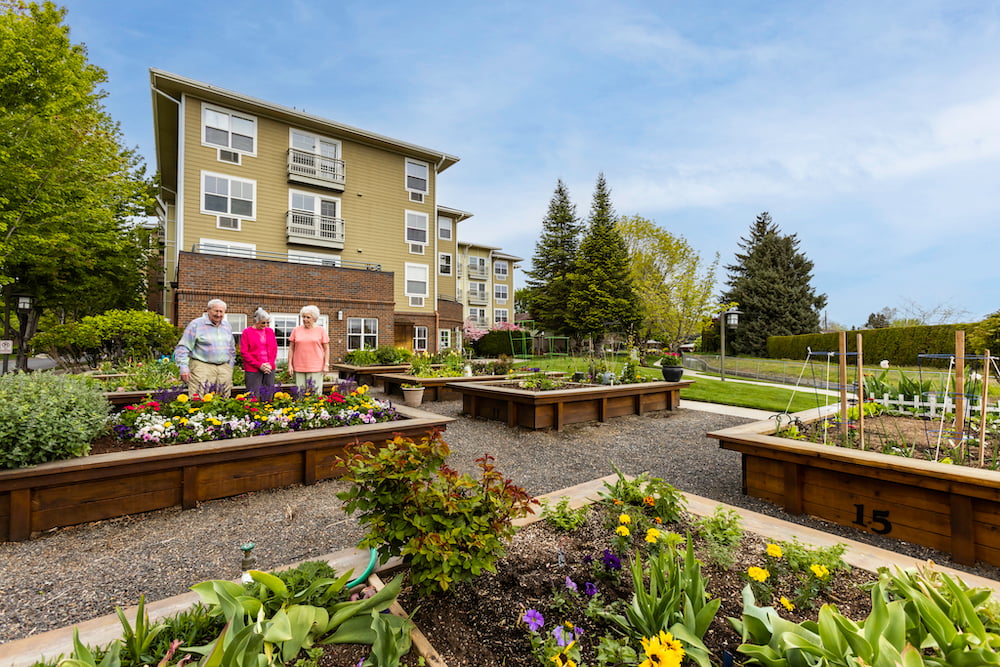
(65, 493)
(119, 399)
(436, 388)
(366, 374)
(554, 409)
(955, 509)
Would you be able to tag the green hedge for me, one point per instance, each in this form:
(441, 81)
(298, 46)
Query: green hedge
(494, 344)
(113, 336)
(900, 345)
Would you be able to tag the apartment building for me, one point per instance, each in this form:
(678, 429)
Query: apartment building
(265, 205)
(486, 283)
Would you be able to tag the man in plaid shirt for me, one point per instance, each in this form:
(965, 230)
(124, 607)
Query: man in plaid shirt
(206, 353)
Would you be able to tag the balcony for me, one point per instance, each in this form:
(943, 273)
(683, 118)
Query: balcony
(313, 169)
(480, 322)
(477, 298)
(318, 230)
(477, 271)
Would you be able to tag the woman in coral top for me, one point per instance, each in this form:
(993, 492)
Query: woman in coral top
(260, 352)
(308, 351)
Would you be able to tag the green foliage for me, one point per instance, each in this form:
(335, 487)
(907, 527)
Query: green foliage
(899, 345)
(540, 381)
(115, 336)
(722, 532)
(650, 494)
(361, 358)
(389, 355)
(421, 365)
(671, 359)
(770, 282)
(141, 375)
(562, 516)
(312, 583)
(602, 297)
(549, 283)
(494, 344)
(48, 417)
(986, 335)
(448, 526)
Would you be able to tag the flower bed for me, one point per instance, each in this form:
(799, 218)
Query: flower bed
(436, 388)
(951, 508)
(507, 402)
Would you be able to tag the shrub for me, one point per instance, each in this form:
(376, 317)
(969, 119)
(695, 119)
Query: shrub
(48, 417)
(448, 526)
(722, 532)
(112, 336)
(389, 355)
(361, 358)
(493, 344)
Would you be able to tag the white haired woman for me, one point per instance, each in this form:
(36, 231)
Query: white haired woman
(259, 350)
(308, 351)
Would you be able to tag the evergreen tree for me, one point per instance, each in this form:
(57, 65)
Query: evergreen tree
(67, 185)
(603, 299)
(548, 283)
(770, 282)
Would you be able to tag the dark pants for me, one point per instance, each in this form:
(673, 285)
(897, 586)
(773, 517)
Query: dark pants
(258, 379)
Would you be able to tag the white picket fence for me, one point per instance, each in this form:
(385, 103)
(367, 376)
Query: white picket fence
(932, 405)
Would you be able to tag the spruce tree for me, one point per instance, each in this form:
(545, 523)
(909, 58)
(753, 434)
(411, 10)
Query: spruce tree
(553, 263)
(770, 282)
(603, 299)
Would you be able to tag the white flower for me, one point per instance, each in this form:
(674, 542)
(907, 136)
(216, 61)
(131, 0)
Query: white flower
(884, 363)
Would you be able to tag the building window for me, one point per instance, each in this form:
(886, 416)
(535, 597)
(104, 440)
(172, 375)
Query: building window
(499, 314)
(227, 196)
(237, 322)
(477, 265)
(478, 316)
(315, 156)
(417, 177)
(416, 227)
(416, 280)
(228, 129)
(445, 228)
(227, 248)
(500, 269)
(444, 264)
(444, 339)
(500, 293)
(362, 333)
(316, 258)
(477, 291)
(420, 339)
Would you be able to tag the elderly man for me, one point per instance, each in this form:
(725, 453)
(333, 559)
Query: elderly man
(206, 353)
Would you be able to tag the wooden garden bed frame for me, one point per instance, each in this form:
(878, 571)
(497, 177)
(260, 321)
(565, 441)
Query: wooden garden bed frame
(435, 389)
(556, 408)
(91, 488)
(955, 509)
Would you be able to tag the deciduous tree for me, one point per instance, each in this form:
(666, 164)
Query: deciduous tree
(771, 282)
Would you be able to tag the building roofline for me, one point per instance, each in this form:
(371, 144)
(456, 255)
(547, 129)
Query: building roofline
(456, 213)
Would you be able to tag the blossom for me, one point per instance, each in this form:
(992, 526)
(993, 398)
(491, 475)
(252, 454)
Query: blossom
(182, 398)
(570, 584)
(649, 500)
(207, 398)
(657, 519)
(611, 561)
(820, 571)
(566, 634)
(590, 588)
(758, 574)
(652, 535)
(624, 519)
(662, 651)
(622, 530)
(534, 619)
(786, 603)
(774, 551)
(588, 559)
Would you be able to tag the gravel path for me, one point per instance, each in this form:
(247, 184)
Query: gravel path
(73, 574)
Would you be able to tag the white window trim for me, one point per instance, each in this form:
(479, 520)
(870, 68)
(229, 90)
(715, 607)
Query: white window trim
(417, 338)
(249, 249)
(406, 175)
(362, 335)
(506, 315)
(501, 275)
(496, 293)
(318, 138)
(444, 339)
(318, 197)
(229, 112)
(406, 279)
(451, 264)
(406, 227)
(451, 228)
(228, 177)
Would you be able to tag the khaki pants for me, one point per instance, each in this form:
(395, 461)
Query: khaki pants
(312, 380)
(210, 377)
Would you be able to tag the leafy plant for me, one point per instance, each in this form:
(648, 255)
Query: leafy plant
(115, 335)
(722, 532)
(362, 357)
(48, 417)
(562, 516)
(421, 365)
(389, 355)
(671, 359)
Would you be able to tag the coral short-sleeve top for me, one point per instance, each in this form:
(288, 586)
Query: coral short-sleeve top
(309, 356)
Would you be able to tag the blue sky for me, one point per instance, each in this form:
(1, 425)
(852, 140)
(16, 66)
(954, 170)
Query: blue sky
(870, 129)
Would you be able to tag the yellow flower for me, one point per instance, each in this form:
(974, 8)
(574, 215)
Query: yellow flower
(240, 397)
(820, 571)
(652, 535)
(207, 398)
(184, 420)
(181, 398)
(167, 424)
(662, 651)
(191, 411)
(622, 530)
(624, 519)
(363, 389)
(758, 574)
(786, 603)
(774, 551)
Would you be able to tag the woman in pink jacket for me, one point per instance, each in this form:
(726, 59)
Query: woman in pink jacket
(260, 352)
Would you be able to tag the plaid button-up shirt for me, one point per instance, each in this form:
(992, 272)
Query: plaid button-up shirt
(206, 342)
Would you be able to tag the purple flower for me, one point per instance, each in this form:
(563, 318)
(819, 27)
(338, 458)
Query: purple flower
(570, 584)
(590, 588)
(611, 561)
(588, 559)
(566, 633)
(534, 619)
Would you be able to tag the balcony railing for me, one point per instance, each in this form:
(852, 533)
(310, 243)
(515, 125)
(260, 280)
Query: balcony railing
(209, 249)
(476, 271)
(478, 298)
(307, 167)
(479, 321)
(313, 229)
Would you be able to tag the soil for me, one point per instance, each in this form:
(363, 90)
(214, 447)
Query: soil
(919, 438)
(478, 623)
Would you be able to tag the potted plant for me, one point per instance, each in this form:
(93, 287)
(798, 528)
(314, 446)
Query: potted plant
(672, 366)
(413, 394)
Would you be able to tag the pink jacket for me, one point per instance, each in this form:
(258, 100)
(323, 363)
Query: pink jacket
(258, 346)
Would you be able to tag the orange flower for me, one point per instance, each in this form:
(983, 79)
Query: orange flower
(649, 500)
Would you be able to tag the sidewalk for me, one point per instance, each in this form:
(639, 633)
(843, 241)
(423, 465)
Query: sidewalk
(751, 413)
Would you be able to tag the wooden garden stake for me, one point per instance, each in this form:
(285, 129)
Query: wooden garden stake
(982, 415)
(842, 343)
(959, 383)
(861, 399)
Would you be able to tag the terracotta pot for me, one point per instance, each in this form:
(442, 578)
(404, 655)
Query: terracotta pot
(413, 396)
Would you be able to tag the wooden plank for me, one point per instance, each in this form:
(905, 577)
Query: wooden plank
(559, 415)
(793, 488)
(97, 510)
(963, 532)
(189, 487)
(233, 478)
(309, 467)
(511, 414)
(20, 515)
(120, 489)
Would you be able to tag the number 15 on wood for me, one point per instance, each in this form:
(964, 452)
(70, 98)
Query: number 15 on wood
(879, 523)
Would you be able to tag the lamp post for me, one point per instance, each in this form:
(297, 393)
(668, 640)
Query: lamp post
(24, 303)
(727, 320)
